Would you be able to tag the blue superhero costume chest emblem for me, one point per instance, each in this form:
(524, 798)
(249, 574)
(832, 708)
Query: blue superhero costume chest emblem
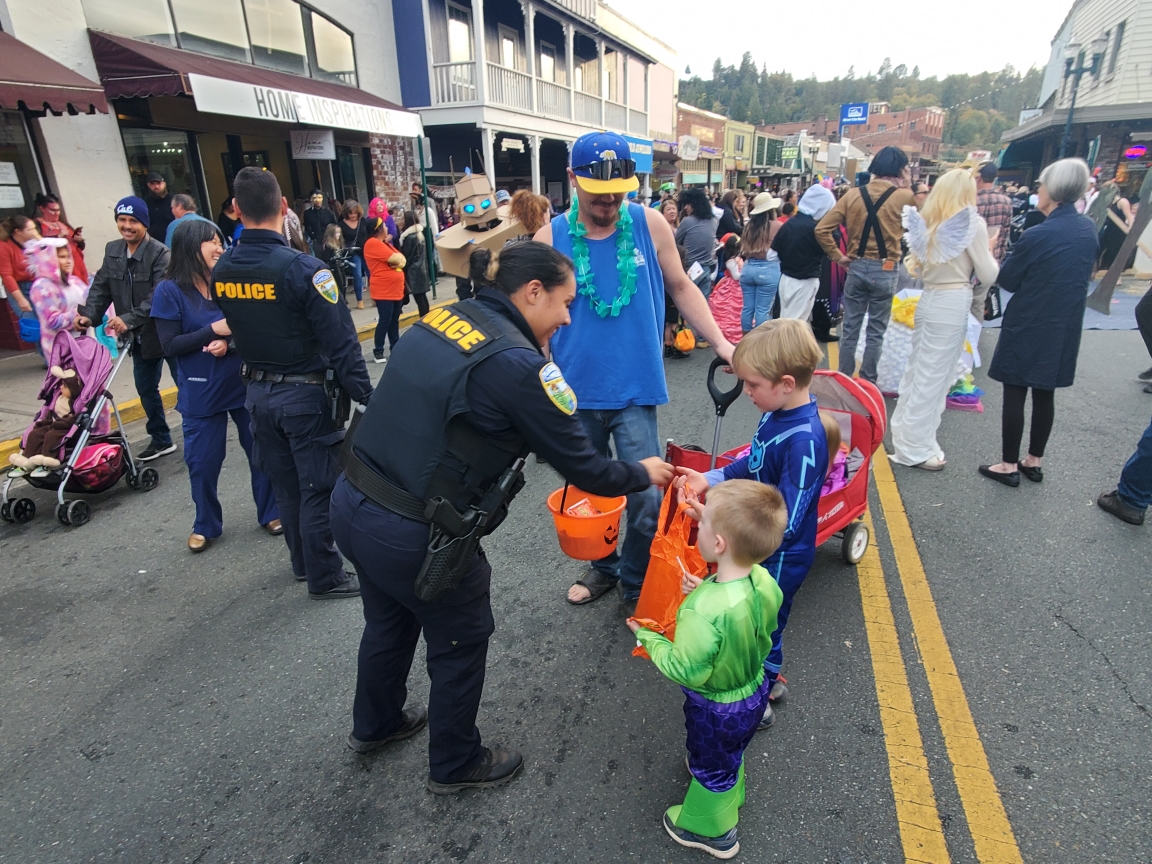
(756, 456)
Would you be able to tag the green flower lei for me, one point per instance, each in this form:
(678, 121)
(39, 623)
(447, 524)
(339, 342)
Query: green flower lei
(625, 261)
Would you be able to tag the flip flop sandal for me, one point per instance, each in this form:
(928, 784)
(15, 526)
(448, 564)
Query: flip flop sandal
(597, 584)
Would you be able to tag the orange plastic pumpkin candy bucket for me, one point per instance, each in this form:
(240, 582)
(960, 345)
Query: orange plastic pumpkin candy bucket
(586, 538)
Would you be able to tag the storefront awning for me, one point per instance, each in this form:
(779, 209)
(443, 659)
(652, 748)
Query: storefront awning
(40, 83)
(132, 69)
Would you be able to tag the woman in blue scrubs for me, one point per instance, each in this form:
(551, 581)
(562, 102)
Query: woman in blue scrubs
(192, 329)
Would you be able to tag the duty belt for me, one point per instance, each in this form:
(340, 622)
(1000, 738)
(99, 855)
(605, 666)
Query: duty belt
(381, 490)
(259, 375)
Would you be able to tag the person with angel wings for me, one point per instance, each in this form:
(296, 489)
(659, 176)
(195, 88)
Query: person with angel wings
(947, 242)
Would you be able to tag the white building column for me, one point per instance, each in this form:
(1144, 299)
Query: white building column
(534, 143)
(602, 83)
(488, 142)
(529, 10)
(478, 38)
(570, 68)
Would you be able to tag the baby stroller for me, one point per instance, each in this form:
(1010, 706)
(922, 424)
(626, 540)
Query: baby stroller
(344, 265)
(93, 457)
(859, 410)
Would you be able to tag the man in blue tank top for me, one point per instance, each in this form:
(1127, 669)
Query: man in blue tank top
(612, 353)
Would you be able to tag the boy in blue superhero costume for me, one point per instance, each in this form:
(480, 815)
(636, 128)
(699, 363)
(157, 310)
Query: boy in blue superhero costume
(789, 451)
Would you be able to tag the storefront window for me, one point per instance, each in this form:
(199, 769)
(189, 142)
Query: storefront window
(215, 28)
(353, 178)
(162, 151)
(19, 179)
(146, 19)
(277, 32)
(335, 58)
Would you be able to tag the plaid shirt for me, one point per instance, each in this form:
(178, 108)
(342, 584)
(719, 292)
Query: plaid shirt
(996, 210)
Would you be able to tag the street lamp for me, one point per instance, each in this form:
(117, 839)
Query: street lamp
(1075, 69)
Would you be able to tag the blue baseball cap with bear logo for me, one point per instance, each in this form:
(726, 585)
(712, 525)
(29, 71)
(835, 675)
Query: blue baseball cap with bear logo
(603, 164)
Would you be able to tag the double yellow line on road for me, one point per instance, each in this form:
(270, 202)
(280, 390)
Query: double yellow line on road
(921, 832)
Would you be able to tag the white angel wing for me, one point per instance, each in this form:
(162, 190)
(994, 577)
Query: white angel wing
(954, 235)
(916, 231)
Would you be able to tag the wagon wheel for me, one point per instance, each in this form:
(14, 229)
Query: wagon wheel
(855, 542)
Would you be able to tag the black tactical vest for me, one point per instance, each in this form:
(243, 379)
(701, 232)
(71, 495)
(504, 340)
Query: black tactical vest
(267, 333)
(414, 432)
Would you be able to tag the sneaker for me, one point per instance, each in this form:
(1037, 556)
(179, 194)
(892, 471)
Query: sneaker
(412, 721)
(724, 846)
(495, 768)
(1146, 375)
(350, 587)
(1111, 502)
(767, 721)
(779, 691)
(378, 357)
(155, 451)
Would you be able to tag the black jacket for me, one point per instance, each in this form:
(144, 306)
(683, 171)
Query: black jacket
(799, 251)
(128, 283)
(159, 216)
(1047, 271)
(315, 222)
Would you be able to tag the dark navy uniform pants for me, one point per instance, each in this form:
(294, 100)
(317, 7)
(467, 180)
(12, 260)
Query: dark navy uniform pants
(387, 551)
(296, 445)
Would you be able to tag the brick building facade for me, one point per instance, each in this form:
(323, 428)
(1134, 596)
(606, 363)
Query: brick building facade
(394, 167)
(917, 131)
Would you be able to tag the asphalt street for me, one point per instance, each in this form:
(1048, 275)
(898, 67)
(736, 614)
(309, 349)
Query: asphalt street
(159, 706)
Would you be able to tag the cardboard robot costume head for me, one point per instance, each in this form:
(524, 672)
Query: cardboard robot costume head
(475, 200)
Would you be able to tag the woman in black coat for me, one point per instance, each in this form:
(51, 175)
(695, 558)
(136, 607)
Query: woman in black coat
(1048, 272)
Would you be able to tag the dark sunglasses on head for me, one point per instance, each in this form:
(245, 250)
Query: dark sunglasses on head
(608, 169)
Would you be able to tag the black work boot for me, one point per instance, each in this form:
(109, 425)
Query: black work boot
(495, 768)
(413, 720)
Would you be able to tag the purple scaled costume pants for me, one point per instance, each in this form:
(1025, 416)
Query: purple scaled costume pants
(718, 733)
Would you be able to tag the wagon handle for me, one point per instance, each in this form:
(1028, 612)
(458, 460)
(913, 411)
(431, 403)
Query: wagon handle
(721, 399)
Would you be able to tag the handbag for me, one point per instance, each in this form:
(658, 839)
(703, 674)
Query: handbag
(993, 304)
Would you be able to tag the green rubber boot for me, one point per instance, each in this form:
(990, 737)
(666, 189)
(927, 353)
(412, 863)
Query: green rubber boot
(710, 814)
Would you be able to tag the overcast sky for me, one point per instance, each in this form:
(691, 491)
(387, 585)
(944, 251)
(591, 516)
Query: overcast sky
(797, 37)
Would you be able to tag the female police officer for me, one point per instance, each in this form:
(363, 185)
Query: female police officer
(466, 395)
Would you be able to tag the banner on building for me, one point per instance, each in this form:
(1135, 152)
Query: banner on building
(237, 99)
(641, 149)
(689, 148)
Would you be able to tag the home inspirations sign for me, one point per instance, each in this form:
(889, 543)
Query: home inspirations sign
(218, 96)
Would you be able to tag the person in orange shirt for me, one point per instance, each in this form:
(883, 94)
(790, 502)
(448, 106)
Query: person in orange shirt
(385, 285)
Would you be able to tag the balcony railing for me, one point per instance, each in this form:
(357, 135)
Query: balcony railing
(553, 100)
(586, 108)
(455, 82)
(638, 123)
(509, 88)
(615, 116)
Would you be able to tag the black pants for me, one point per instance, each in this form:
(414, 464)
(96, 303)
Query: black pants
(1012, 425)
(1144, 319)
(387, 551)
(296, 445)
(421, 303)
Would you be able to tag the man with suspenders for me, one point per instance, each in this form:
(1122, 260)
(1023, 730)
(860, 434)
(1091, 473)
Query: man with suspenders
(872, 216)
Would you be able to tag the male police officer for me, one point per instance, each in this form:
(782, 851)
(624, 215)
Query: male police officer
(290, 325)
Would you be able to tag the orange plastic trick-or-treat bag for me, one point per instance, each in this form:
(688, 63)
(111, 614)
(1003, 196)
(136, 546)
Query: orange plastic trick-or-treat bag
(660, 598)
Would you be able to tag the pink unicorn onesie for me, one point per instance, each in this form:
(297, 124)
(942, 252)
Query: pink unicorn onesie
(56, 293)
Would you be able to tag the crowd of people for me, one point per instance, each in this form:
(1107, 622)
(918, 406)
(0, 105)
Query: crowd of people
(550, 349)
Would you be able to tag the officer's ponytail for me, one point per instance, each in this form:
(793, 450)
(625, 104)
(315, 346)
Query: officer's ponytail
(517, 264)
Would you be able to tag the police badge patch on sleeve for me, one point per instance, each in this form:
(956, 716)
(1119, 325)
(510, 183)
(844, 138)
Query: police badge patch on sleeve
(325, 283)
(557, 389)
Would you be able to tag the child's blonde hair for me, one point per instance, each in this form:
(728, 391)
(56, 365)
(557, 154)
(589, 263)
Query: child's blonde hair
(333, 238)
(750, 516)
(783, 346)
(832, 433)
